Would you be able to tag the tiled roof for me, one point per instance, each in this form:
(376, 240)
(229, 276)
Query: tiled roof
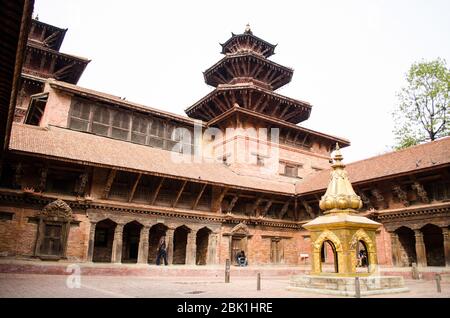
(61, 143)
(415, 158)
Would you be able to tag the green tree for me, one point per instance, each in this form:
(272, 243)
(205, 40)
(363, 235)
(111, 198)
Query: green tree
(423, 110)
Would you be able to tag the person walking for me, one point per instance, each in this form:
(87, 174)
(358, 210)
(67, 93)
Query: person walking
(162, 252)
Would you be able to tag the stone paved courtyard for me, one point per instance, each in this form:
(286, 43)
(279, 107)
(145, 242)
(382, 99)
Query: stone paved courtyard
(33, 285)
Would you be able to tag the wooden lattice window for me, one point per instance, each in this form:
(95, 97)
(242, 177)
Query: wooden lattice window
(156, 133)
(101, 121)
(139, 130)
(79, 115)
(289, 169)
(120, 125)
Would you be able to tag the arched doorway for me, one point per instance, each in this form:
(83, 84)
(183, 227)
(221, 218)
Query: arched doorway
(362, 256)
(407, 246)
(179, 244)
(328, 258)
(130, 245)
(434, 245)
(103, 241)
(202, 242)
(156, 231)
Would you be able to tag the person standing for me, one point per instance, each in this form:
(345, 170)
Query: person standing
(162, 251)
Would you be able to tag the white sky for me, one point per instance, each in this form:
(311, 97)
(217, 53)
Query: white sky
(349, 57)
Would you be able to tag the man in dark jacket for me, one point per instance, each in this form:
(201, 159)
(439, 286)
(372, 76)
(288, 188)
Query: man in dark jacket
(161, 251)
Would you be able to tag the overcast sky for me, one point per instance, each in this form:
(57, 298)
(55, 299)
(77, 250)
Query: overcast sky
(349, 57)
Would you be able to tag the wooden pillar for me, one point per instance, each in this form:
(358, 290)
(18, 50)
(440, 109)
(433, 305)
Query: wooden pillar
(420, 249)
(143, 245)
(191, 248)
(211, 256)
(116, 256)
(395, 249)
(169, 245)
(90, 253)
(445, 234)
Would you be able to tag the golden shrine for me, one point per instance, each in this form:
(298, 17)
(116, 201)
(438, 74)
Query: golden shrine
(350, 237)
(341, 227)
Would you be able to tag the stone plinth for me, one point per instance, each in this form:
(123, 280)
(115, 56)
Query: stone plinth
(345, 286)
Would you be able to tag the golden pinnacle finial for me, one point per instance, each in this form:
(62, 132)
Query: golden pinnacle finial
(337, 156)
(340, 196)
(247, 29)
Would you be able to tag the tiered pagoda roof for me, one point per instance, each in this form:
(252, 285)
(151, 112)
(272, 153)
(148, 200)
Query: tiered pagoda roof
(44, 59)
(245, 77)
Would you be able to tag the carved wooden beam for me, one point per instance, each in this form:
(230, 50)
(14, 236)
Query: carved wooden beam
(219, 200)
(264, 105)
(401, 194)
(266, 208)
(285, 110)
(275, 109)
(284, 209)
(209, 112)
(179, 194)
(43, 179)
(379, 197)
(365, 200)
(197, 199)
(158, 188)
(133, 188)
(83, 179)
(421, 193)
(254, 210)
(291, 114)
(232, 74)
(258, 102)
(296, 214)
(308, 209)
(227, 101)
(279, 77)
(63, 70)
(219, 103)
(232, 203)
(234, 67)
(109, 182)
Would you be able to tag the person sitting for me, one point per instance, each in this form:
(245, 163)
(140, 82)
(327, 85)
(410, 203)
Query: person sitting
(241, 259)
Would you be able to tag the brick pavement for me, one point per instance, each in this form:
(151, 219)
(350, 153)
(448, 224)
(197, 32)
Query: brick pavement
(32, 285)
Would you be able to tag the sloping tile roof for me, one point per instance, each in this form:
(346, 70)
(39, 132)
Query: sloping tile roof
(61, 143)
(415, 158)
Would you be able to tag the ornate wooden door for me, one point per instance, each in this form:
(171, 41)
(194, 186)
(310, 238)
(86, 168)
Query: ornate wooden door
(51, 244)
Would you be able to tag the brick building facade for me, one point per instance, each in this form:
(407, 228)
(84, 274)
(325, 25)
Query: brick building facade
(89, 176)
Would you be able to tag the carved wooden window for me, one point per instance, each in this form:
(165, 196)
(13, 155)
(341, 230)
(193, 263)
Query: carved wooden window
(79, 115)
(139, 130)
(120, 125)
(101, 121)
(289, 170)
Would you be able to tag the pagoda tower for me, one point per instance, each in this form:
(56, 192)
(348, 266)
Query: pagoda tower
(259, 128)
(43, 60)
(246, 77)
